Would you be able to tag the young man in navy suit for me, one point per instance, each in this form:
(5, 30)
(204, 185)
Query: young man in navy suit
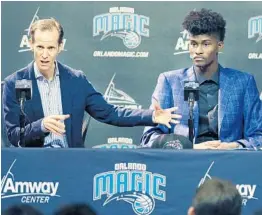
(61, 94)
(228, 114)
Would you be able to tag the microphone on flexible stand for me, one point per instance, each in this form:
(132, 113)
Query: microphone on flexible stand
(23, 89)
(191, 94)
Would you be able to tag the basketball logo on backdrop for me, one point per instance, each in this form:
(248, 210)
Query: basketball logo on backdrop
(131, 183)
(117, 143)
(255, 31)
(123, 23)
(24, 44)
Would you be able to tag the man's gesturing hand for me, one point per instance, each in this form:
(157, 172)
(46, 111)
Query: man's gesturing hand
(165, 116)
(55, 124)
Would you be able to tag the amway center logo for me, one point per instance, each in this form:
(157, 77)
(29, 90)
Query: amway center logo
(123, 23)
(132, 183)
(118, 97)
(24, 44)
(182, 43)
(30, 192)
(255, 29)
(247, 191)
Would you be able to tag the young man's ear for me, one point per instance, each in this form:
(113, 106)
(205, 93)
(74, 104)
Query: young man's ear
(191, 211)
(220, 45)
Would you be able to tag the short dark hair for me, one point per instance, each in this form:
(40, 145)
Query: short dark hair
(76, 209)
(21, 209)
(47, 24)
(205, 22)
(217, 197)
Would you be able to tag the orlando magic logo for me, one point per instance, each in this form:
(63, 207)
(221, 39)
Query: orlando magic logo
(141, 203)
(122, 23)
(174, 144)
(131, 183)
(255, 27)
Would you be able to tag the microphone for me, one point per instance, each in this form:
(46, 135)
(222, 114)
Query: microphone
(172, 141)
(191, 90)
(191, 94)
(23, 89)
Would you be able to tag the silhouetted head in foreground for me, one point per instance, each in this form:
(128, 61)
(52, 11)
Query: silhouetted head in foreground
(216, 197)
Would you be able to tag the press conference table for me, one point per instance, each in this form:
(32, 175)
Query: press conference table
(130, 181)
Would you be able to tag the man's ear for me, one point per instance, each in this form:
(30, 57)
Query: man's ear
(60, 47)
(191, 211)
(220, 45)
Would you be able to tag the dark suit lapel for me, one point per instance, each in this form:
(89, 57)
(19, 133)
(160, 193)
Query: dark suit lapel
(66, 97)
(225, 90)
(35, 104)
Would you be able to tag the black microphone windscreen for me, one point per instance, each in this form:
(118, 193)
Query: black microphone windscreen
(191, 87)
(23, 88)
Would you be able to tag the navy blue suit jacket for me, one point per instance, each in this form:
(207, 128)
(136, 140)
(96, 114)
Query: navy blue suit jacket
(77, 95)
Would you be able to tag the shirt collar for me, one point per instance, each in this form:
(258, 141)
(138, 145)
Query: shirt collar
(39, 75)
(201, 78)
